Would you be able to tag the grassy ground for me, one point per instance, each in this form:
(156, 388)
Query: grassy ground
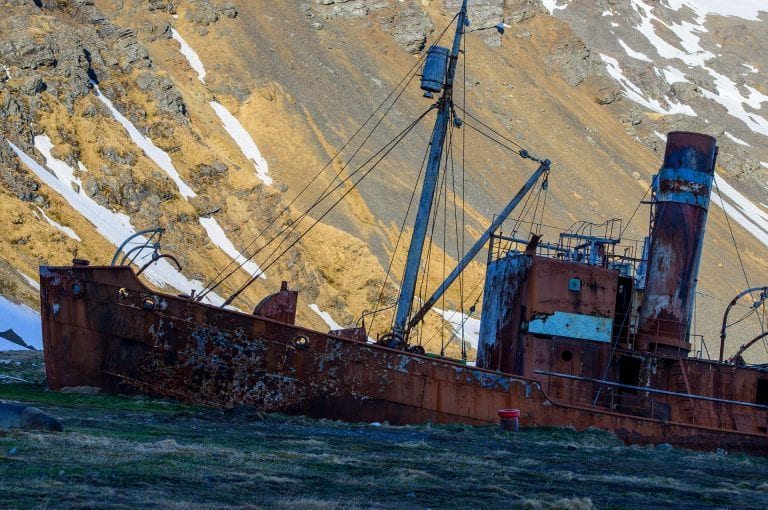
(120, 452)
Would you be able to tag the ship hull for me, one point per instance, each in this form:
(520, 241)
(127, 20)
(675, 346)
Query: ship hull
(102, 327)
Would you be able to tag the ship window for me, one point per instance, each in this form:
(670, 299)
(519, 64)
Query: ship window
(762, 392)
(567, 355)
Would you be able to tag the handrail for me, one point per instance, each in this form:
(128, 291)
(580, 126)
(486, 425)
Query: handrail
(650, 390)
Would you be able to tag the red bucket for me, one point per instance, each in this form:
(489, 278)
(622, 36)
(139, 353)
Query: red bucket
(510, 419)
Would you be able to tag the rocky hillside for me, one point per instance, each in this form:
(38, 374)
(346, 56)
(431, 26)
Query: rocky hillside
(209, 118)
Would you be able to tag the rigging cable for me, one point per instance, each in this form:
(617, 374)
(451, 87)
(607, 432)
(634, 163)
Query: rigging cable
(383, 152)
(404, 82)
(738, 253)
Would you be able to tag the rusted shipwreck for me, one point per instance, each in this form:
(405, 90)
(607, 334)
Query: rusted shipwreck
(574, 332)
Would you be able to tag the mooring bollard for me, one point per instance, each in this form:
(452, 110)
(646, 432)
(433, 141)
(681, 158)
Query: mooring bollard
(510, 419)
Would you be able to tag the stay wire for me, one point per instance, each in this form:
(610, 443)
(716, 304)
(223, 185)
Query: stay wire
(397, 243)
(404, 82)
(736, 246)
(383, 153)
(323, 195)
(394, 142)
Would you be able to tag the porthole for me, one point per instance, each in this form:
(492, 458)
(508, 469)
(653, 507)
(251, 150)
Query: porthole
(148, 303)
(76, 288)
(301, 342)
(567, 355)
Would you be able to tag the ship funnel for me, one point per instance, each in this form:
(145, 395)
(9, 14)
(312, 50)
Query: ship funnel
(682, 191)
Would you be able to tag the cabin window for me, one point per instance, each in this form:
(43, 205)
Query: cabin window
(567, 355)
(762, 392)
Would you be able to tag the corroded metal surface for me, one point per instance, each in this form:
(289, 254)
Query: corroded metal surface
(682, 197)
(280, 306)
(109, 336)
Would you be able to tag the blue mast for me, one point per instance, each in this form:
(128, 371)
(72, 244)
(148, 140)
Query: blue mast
(445, 108)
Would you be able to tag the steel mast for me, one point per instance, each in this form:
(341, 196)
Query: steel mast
(445, 108)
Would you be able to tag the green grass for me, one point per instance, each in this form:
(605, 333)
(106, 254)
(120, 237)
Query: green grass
(122, 452)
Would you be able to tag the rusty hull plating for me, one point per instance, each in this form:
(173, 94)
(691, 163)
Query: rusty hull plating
(560, 340)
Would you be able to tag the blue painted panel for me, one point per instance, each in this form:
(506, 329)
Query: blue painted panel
(573, 325)
(693, 186)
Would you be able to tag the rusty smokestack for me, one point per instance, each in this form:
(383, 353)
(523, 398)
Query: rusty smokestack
(682, 190)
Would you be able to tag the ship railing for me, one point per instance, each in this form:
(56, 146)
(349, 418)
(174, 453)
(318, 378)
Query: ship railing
(620, 255)
(627, 327)
(645, 401)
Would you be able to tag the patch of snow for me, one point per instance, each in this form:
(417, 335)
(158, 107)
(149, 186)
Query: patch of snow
(243, 140)
(220, 239)
(153, 152)
(743, 211)
(634, 54)
(745, 9)
(68, 231)
(607, 13)
(191, 55)
(31, 281)
(464, 326)
(765, 164)
(751, 68)
(115, 227)
(728, 95)
(737, 140)
(7, 72)
(24, 321)
(673, 75)
(692, 53)
(634, 93)
(613, 24)
(552, 6)
(660, 135)
(332, 324)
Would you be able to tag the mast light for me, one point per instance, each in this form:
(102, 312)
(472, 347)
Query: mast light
(435, 69)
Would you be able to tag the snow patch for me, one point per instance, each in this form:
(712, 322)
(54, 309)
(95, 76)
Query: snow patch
(220, 239)
(634, 54)
(153, 152)
(68, 231)
(673, 75)
(764, 163)
(728, 95)
(660, 135)
(31, 281)
(607, 13)
(634, 93)
(745, 9)
(191, 55)
(464, 326)
(115, 227)
(743, 211)
(24, 321)
(243, 140)
(552, 6)
(737, 140)
(751, 68)
(7, 72)
(332, 324)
